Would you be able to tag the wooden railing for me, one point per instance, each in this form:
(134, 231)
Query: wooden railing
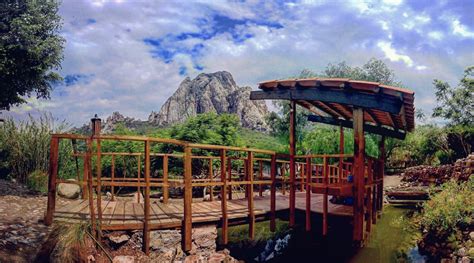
(261, 169)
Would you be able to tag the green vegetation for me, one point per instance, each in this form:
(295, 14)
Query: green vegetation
(240, 233)
(447, 219)
(30, 49)
(71, 240)
(24, 148)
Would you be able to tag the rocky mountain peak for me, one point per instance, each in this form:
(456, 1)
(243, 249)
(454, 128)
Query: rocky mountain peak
(211, 92)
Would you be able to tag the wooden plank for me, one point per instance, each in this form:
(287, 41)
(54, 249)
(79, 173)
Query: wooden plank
(88, 170)
(99, 186)
(325, 196)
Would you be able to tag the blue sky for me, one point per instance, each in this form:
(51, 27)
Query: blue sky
(130, 56)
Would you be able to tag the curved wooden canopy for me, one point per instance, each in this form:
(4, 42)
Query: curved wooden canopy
(389, 110)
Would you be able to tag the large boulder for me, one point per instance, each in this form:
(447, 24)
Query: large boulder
(69, 190)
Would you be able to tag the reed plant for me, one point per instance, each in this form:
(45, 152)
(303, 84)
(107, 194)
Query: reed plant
(24, 146)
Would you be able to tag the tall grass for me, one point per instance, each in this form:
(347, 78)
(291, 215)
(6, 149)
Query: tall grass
(24, 146)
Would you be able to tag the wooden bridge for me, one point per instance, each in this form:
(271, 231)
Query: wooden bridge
(244, 184)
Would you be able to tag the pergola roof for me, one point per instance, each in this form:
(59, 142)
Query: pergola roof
(388, 110)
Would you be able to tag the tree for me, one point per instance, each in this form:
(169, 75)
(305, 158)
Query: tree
(30, 49)
(456, 104)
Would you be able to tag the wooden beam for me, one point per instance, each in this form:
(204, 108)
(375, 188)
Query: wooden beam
(333, 109)
(88, 173)
(165, 180)
(359, 162)
(368, 128)
(370, 101)
(308, 194)
(292, 163)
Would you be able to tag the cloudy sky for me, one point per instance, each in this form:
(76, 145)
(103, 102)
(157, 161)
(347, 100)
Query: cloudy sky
(130, 55)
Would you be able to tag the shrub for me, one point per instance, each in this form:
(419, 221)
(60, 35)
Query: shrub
(451, 208)
(38, 181)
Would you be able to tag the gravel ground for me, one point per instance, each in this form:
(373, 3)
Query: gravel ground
(22, 231)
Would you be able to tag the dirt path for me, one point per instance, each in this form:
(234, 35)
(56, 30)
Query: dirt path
(391, 180)
(22, 231)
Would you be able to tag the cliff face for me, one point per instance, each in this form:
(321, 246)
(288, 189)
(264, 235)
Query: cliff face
(215, 92)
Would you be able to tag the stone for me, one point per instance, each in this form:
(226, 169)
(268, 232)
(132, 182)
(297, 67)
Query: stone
(70, 191)
(206, 198)
(215, 92)
(471, 235)
(462, 252)
(123, 259)
(216, 258)
(119, 239)
(195, 259)
(471, 252)
(465, 260)
(90, 258)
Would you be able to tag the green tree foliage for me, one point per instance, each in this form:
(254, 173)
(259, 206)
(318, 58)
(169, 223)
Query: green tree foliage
(30, 48)
(456, 104)
(209, 128)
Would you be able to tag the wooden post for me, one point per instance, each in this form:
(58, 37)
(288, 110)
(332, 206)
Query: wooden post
(246, 176)
(292, 162)
(325, 196)
(165, 179)
(260, 172)
(78, 173)
(113, 177)
(283, 179)
(382, 172)
(53, 173)
(273, 170)
(225, 221)
(186, 231)
(90, 184)
(139, 168)
(211, 194)
(99, 188)
(146, 228)
(250, 195)
(359, 167)
(229, 171)
(85, 175)
(302, 177)
(308, 194)
(341, 151)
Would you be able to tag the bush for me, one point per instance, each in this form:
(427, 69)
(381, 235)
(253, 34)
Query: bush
(449, 209)
(38, 181)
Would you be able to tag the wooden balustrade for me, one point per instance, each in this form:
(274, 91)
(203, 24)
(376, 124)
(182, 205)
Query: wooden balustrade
(321, 174)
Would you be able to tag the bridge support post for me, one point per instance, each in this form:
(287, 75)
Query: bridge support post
(225, 221)
(273, 170)
(250, 195)
(186, 230)
(53, 173)
(146, 228)
(292, 162)
(359, 169)
(309, 173)
(165, 179)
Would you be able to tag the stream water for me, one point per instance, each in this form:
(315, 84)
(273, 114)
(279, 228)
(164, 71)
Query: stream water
(391, 241)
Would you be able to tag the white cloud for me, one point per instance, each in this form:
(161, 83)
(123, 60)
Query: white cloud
(436, 35)
(462, 30)
(392, 53)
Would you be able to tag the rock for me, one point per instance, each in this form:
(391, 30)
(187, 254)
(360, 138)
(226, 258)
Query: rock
(471, 235)
(215, 92)
(119, 239)
(216, 258)
(462, 252)
(471, 252)
(206, 198)
(123, 259)
(70, 191)
(195, 259)
(465, 260)
(90, 258)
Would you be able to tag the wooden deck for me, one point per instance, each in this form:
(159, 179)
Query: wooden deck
(125, 214)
